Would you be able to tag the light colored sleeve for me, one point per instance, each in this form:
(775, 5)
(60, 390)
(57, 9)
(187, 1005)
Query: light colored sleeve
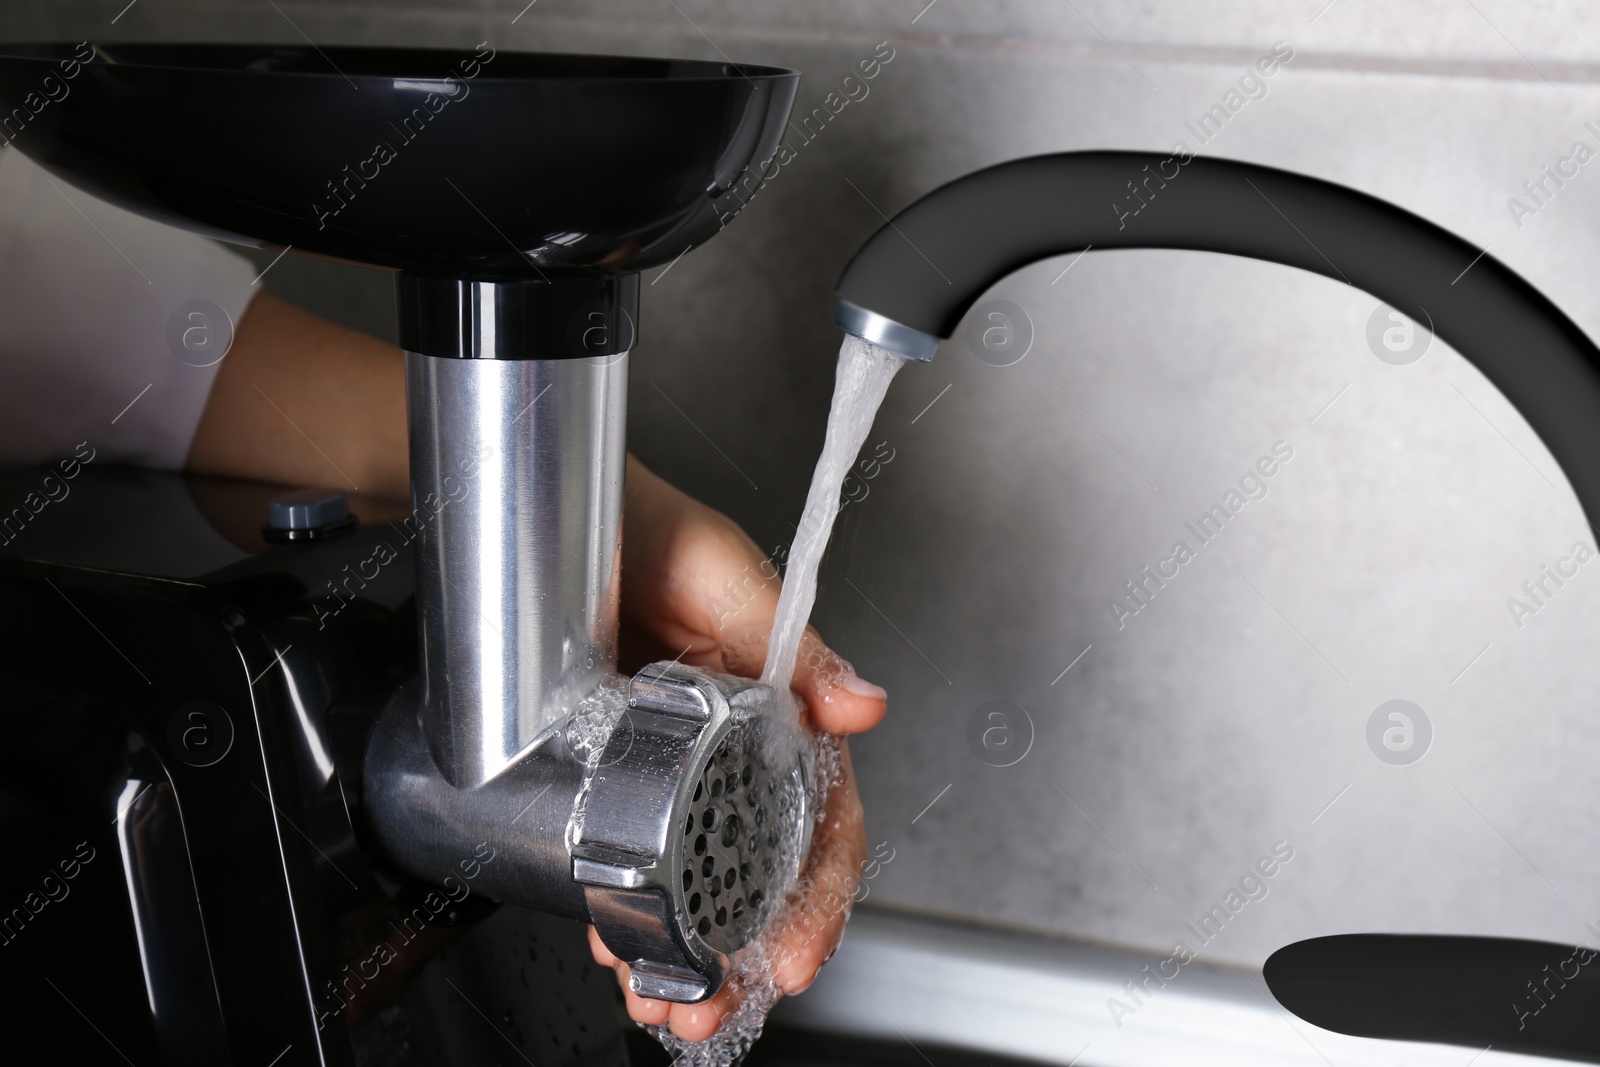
(111, 326)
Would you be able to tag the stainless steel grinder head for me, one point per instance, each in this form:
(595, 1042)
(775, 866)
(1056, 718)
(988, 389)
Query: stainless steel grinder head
(692, 826)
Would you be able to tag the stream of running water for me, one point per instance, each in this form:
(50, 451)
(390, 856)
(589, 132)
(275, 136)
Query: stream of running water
(863, 377)
(864, 374)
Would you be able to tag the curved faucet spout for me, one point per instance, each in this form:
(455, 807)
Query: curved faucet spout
(912, 282)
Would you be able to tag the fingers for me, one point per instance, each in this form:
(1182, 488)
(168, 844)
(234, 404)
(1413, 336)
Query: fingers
(691, 1022)
(816, 915)
(641, 1010)
(838, 700)
(812, 925)
(820, 908)
(702, 588)
(811, 941)
(696, 1022)
(602, 955)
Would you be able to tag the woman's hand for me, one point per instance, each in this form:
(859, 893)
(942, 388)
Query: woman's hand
(696, 588)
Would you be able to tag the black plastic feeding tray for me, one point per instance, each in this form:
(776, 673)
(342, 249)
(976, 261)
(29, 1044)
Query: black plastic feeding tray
(469, 163)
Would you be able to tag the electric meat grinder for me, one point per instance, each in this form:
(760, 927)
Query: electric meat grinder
(516, 196)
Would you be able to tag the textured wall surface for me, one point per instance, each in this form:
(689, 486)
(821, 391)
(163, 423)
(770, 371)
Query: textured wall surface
(1232, 712)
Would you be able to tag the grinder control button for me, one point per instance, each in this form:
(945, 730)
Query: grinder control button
(307, 515)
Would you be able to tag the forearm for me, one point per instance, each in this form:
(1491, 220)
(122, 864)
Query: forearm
(302, 401)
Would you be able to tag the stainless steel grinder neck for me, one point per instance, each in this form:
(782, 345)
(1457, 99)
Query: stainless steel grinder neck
(517, 401)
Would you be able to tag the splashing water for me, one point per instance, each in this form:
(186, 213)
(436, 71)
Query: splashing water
(754, 968)
(863, 377)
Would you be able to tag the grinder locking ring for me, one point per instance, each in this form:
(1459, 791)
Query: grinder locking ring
(692, 829)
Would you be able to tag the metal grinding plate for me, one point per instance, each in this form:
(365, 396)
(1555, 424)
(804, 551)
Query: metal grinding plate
(687, 833)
